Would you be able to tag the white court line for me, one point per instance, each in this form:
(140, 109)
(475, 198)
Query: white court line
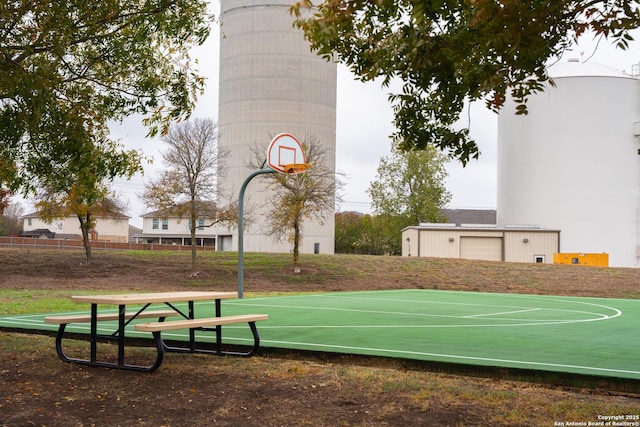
(519, 322)
(104, 326)
(400, 352)
(453, 356)
(534, 322)
(500, 314)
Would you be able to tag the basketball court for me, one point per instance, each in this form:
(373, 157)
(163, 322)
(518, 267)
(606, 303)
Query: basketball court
(591, 336)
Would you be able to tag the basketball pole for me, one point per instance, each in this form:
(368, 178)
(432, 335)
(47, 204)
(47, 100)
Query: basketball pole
(241, 226)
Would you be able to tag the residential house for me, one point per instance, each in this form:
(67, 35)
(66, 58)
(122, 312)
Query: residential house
(109, 228)
(173, 226)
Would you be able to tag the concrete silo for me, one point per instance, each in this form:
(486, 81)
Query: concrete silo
(572, 163)
(270, 83)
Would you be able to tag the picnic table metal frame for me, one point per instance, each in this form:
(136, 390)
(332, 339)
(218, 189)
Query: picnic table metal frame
(167, 298)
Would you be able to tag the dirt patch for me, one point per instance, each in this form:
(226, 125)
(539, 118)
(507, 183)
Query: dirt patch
(273, 389)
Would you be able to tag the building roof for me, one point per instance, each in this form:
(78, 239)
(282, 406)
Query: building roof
(470, 216)
(38, 232)
(480, 227)
(574, 68)
(206, 208)
(110, 215)
(133, 230)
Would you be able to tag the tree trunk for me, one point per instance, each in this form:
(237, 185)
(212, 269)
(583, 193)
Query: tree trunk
(193, 237)
(296, 241)
(85, 223)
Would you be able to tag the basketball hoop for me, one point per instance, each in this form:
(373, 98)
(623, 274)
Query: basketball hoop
(285, 154)
(294, 168)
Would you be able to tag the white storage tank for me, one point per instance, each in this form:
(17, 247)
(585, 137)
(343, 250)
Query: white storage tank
(271, 83)
(572, 163)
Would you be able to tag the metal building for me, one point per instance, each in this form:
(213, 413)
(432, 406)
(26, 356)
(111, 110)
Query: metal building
(270, 83)
(572, 163)
(481, 242)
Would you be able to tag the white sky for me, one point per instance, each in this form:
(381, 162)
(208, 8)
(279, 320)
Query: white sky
(364, 118)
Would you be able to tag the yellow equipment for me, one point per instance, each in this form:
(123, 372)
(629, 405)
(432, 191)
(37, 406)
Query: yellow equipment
(597, 260)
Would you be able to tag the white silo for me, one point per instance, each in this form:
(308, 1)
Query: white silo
(270, 83)
(572, 163)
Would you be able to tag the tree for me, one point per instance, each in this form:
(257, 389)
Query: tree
(409, 189)
(4, 199)
(10, 219)
(80, 185)
(411, 185)
(365, 234)
(296, 197)
(346, 233)
(67, 68)
(380, 235)
(51, 207)
(188, 186)
(449, 52)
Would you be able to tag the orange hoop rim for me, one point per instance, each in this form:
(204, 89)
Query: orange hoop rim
(293, 168)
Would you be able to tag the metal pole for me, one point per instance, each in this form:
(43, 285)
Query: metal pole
(241, 227)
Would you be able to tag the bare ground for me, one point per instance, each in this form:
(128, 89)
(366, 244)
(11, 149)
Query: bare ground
(289, 389)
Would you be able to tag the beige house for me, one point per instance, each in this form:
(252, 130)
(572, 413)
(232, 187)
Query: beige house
(165, 227)
(113, 228)
(481, 242)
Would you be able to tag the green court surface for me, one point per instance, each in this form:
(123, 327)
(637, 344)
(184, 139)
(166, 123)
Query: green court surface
(592, 336)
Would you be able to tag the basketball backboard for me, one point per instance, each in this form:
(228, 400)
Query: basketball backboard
(285, 154)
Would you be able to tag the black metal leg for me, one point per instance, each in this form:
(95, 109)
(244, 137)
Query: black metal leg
(192, 332)
(93, 343)
(218, 328)
(59, 350)
(121, 326)
(218, 351)
(94, 332)
(160, 351)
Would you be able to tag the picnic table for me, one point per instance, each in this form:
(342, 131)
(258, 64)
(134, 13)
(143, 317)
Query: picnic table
(186, 320)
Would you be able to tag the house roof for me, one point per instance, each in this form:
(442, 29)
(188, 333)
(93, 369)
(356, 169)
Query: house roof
(38, 232)
(470, 216)
(111, 215)
(205, 208)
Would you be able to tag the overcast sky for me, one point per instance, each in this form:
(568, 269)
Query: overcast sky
(364, 118)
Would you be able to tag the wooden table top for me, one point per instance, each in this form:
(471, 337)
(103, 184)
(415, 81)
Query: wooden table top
(145, 298)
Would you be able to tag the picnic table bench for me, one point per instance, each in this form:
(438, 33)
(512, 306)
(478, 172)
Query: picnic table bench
(186, 321)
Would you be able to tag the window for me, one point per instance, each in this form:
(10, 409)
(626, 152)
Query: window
(200, 225)
(539, 259)
(155, 224)
(165, 224)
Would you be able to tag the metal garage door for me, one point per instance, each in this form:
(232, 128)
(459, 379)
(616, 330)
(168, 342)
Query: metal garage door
(486, 248)
(225, 243)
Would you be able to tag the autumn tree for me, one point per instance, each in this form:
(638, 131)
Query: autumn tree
(295, 198)
(409, 189)
(346, 232)
(379, 235)
(67, 68)
(188, 186)
(411, 185)
(4, 199)
(10, 222)
(80, 186)
(365, 234)
(450, 52)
